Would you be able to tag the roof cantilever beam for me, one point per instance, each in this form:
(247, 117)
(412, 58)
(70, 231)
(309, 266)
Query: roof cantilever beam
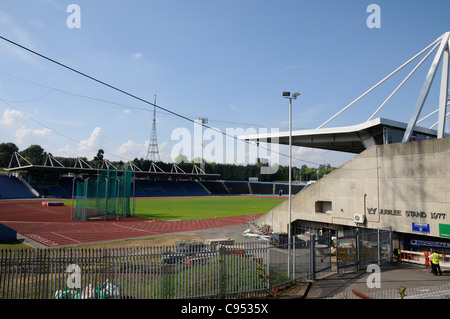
(177, 169)
(438, 121)
(82, 163)
(107, 163)
(444, 95)
(155, 168)
(379, 83)
(50, 158)
(443, 51)
(18, 157)
(404, 81)
(197, 170)
(133, 167)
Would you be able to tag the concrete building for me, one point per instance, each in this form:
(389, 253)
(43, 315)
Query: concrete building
(401, 187)
(399, 180)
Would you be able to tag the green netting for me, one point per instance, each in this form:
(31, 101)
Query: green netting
(107, 197)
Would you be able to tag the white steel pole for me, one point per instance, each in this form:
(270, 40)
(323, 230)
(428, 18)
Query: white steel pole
(290, 183)
(443, 94)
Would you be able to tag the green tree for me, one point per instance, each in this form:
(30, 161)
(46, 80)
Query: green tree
(98, 159)
(6, 151)
(35, 154)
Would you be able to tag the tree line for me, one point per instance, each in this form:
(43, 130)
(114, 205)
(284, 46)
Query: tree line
(35, 154)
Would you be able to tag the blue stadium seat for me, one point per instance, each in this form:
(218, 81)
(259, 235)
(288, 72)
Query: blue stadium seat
(11, 187)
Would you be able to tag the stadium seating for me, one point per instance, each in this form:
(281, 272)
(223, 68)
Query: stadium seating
(215, 187)
(52, 192)
(261, 188)
(173, 188)
(61, 187)
(66, 183)
(154, 188)
(149, 188)
(237, 187)
(11, 187)
(194, 188)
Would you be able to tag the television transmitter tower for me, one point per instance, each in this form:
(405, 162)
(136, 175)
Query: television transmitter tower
(153, 145)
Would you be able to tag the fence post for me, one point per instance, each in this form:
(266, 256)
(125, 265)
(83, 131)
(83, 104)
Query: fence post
(391, 244)
(268, 249)
(358, 259)
(293, 259)
(379, 247)
(312, 257)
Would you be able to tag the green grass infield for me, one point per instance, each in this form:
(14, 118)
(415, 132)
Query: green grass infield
(194, 208)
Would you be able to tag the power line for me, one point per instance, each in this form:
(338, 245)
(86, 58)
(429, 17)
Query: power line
(132, 95)
(55, 131)
(50, 90)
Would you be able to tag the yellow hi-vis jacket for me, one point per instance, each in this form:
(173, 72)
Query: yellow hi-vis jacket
(435, 259)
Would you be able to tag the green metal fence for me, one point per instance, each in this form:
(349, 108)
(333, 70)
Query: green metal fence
(107, 196)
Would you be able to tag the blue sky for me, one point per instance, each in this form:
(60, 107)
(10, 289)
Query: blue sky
(228, 61)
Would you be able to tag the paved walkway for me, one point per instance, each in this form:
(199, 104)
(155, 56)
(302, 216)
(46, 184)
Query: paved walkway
(420, 283)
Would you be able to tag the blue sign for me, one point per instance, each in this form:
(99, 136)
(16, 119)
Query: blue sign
(421, 228)
(429, 243)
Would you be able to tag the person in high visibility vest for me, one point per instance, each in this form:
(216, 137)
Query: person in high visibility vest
(430, 260)
(435, 263)
(396, 255)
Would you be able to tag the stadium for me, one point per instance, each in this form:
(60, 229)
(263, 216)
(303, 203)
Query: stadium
(56, 188)
(392, 196)
(369, 192)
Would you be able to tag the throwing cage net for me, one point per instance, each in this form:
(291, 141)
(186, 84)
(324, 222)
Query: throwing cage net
(107, 197)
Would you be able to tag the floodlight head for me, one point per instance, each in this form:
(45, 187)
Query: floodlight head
(295, 95)
(286, 94)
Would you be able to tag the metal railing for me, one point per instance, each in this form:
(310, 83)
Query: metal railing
(364, 247)
(184, 270)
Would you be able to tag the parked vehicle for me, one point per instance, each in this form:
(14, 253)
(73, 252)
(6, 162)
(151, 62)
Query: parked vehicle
(264, 237)
(278, 239)
(252, 235)
(282, 239)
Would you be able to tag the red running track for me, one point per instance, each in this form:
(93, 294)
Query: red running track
(52, 226)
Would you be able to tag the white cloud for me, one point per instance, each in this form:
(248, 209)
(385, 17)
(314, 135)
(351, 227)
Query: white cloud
(96, 141)
(64, 152)
(30, 136)
(233, 107)
(11, 117)
(136, 55)
(132, 149)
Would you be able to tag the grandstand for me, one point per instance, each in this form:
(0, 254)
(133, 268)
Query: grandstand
(13, 188)
(45, 181)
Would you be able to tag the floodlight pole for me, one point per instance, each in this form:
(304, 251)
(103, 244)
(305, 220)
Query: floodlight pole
(294, 96)
(202, 120)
